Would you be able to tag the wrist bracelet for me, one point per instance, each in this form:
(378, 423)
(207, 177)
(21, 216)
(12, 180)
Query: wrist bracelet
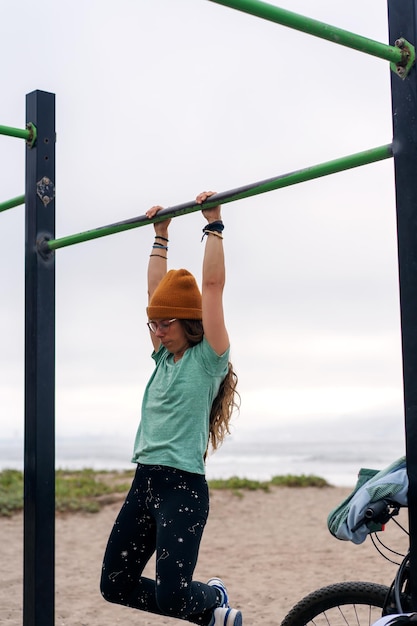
(160, 256)
(160, 237)
(216, 226)
(159, 246)
(211, 232)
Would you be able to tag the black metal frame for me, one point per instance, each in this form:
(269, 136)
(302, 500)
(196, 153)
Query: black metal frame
(39, 468)
(402, 16)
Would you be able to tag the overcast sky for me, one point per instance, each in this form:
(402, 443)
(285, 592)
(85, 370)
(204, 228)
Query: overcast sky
(158, 100)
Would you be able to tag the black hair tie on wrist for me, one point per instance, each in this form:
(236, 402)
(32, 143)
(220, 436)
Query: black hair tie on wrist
(216, 227)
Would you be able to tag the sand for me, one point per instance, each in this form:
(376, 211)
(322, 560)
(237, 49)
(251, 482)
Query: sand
(270, 548)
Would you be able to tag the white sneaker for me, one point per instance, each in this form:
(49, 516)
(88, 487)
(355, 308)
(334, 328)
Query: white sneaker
(219, 584)
(225, 616)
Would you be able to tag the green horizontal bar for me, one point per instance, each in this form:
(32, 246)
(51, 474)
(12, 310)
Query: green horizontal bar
(9, 204)
(278, 182)
(28, 133)
(313, 27)
(21, 133)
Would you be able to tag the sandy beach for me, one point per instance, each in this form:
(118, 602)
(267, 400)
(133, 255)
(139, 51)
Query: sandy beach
(270, 548)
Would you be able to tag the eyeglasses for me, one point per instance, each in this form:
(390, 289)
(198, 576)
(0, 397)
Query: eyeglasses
(163, 326)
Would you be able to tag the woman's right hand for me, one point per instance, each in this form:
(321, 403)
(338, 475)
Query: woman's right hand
(161, 228)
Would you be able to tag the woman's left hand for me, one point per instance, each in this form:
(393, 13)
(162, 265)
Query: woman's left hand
(212, 214)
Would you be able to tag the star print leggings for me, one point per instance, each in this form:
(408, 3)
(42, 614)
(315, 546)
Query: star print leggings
(165, 511)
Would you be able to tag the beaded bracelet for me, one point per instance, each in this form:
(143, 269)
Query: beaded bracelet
(159, 246)
(160, 237)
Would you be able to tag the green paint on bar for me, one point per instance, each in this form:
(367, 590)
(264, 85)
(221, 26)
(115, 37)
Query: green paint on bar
(29, 133)
(271, 184)
(9, 204)
(316, 28)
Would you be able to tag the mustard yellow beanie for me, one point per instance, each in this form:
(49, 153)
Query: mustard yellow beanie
(177, 295)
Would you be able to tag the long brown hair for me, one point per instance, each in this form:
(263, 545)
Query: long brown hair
(227, 399)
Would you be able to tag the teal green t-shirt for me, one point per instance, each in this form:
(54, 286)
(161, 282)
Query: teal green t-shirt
(174, 426)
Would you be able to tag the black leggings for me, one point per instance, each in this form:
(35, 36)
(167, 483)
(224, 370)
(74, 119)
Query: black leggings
(165, 510)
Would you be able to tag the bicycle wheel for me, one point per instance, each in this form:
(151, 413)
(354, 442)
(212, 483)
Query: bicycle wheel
(341, 604)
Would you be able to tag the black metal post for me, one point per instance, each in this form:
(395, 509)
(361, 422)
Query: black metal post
(402, 16)
(39, 468)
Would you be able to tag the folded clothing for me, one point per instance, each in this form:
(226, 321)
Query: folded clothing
(348, 521)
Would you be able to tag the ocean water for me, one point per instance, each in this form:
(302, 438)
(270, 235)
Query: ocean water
(335, 452)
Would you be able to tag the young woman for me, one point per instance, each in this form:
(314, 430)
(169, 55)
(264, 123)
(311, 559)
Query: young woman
(187, 404)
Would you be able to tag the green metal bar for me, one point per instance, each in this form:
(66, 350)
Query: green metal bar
(28, 133)
(14, 132)
(278, 182)
(318, 29)
(9, 204)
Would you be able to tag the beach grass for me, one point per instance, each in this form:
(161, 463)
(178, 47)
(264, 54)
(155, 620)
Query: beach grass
(89, 490)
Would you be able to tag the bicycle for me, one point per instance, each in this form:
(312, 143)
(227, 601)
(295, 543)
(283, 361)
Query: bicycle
(355, 602)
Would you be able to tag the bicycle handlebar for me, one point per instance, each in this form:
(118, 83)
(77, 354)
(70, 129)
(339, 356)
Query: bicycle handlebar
(377, 509)
(379, 512)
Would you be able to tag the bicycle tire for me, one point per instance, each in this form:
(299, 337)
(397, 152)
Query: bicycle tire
(340, 604)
